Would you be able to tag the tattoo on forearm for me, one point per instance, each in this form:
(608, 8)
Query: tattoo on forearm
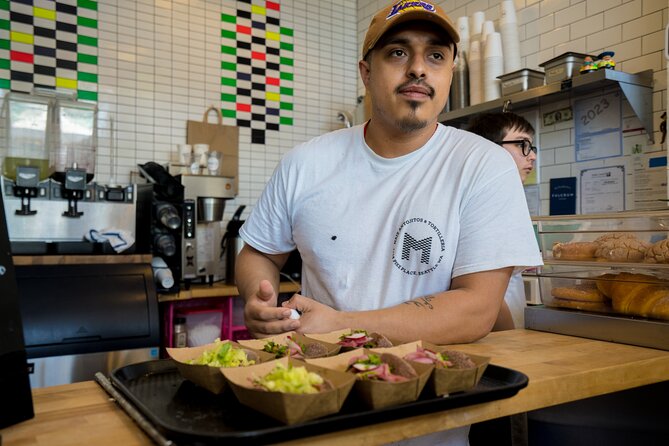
(422, 302)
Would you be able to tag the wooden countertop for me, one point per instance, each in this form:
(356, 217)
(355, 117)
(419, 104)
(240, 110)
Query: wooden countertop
(560, 368)
(218, 289)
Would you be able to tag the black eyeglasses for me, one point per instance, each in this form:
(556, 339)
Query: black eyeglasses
(524, 144)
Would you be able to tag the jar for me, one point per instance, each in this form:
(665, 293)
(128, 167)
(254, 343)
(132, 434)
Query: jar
(180, 333)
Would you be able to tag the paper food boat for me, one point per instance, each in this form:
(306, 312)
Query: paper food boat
(206, 376)
(378, 394)
(330, 348)
(333, 338)
(444, 380)
(289, 408)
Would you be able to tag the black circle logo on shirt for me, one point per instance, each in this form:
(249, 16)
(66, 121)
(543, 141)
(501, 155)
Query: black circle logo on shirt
(418, 247)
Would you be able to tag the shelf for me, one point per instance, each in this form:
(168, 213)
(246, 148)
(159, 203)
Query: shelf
(637, 88)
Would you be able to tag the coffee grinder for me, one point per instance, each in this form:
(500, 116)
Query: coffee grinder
(204, 203)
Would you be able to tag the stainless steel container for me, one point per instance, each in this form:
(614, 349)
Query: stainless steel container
(562, 67)
(459, 97)
(210, 209)
(520, 80)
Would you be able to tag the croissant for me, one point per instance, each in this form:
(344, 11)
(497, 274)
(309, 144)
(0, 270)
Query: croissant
(636, 294)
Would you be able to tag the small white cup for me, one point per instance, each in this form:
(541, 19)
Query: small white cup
(184, 152)
(201, 151)
(164, 277)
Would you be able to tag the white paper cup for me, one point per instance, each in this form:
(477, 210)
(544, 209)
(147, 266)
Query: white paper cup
(463, 30)
(487, 29)
(184, 153)
(164, 277)
(476, 23)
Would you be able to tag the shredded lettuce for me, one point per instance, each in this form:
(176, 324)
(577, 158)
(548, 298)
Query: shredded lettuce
(223, 355)
(290, 380)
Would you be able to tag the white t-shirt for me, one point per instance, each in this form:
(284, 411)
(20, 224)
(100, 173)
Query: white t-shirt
(515, 299)
(375, 232)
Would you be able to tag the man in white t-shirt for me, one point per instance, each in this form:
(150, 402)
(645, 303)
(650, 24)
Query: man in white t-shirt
(405, 227)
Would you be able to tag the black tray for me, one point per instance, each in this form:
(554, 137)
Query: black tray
(188, 414)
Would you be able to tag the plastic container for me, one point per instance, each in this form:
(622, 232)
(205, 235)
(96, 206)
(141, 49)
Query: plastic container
(622, 237)
(76, 138)
(28, 134)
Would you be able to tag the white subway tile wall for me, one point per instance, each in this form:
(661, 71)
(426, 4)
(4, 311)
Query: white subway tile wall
(159, 65)
(633, 29)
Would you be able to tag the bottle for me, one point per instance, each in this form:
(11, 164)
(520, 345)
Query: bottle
(180, 333)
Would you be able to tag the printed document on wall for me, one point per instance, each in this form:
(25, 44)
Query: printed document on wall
(603, 190)
(598, 127)
(650, 181)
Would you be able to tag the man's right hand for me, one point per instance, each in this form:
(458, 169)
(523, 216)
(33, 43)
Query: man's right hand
(262, 317)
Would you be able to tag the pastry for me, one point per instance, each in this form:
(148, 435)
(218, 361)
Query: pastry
(583, 293)
(658, 252)
(620, 247)
(637, 294)
(574, 251)
(580, 305)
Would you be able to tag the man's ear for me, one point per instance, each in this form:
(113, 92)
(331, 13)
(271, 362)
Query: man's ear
(363, 67)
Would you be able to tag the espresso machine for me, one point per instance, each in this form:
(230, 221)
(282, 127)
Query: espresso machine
(204, 203)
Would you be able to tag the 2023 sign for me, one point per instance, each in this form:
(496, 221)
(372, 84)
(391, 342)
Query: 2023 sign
(591, 113)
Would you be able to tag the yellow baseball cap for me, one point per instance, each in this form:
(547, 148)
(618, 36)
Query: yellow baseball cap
(406, 11)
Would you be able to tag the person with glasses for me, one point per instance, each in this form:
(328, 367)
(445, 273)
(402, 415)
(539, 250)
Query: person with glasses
(513, 133)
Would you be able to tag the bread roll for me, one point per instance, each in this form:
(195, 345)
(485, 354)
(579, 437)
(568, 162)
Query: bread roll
(581, 305)
(658, 252)
(574, 251)
(583, 293)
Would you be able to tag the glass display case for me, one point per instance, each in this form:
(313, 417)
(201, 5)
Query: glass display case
(606, 276)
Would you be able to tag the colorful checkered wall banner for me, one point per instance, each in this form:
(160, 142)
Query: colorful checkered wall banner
(257, 68)
(49, 44)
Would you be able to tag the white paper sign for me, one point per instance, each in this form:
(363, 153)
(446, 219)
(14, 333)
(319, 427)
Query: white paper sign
(598, 127)
(603, 190)
(650, 181)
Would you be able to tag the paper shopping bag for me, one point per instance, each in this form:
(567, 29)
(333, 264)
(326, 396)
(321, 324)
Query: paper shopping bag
(221, 138)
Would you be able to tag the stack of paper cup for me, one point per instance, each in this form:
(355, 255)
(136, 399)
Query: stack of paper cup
(474, 64)
(487, 28)
(508, 28)
(493, 66)
(476, 24)
(463, 30)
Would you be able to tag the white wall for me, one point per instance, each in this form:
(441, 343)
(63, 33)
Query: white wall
(634, 29)
(159, 65)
